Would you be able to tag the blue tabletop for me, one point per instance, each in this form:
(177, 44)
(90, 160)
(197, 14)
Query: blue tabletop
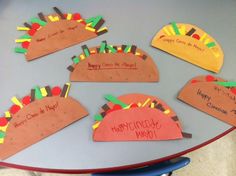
(129, 22)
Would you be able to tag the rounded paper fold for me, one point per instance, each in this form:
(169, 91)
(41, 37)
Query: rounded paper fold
(196, 47)
(38, 120)
(115, 67)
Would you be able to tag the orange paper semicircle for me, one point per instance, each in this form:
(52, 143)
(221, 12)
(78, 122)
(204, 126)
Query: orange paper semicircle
(190, 43)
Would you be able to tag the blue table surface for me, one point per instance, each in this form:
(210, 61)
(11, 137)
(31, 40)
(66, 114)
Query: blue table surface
(129, 22)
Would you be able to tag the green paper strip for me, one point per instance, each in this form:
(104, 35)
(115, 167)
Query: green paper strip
(38, 94)
(210, 45)
(175, 27)
(2, 134)
(26, 36)
(76, 60)
(127, 48)
(113, 50)
(86, 52)
(89, 20)
(98, 117)
(103, 47)
(36, 20)
(94, 20)
(20, 50)
(114, 100)
(227, 84)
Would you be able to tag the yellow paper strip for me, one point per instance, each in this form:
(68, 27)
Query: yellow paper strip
(89, 24)
(16, 101)
(4, 128)
(22, 40)
(137, 54)
(104, 28)
(203, 37)
(146, 102)
(68, 89)
(69, 16)
(152, 105)
(1, 140)
(92, 51)
(43, 91)
(207, 41)
(7, 114)
(80, 20)
(90, 29)
(82, 57)
(53, 19)
(139, 104)
(56, 18)
(127, 107)
(167, 111)
(182, 30)
(172, 30)
(22, 28)
(166, 31)
(96, 125)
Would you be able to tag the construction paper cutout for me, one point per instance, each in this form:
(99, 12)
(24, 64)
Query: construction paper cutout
(50, 33)
(132, 118)
(208, 94)
(109, 63)
(37, 120)
(190, 43)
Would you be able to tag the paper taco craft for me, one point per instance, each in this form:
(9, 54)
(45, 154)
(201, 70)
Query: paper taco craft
(50, 33)
(190, 43)
(36, 116)
(110, 63)
(212, 95)
(136, 117)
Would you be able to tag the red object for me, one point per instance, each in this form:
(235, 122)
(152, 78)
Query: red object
(35, 26)
(83, 22)
(109, 111)
(210, 78)
(117, 107)
(25, 44)
(110, 128)
(65, 15)
(3, 121)
(31, 32)
(134, 105)
(196, 36)
(76, 16)
(56, 91)
(14, 109)
(26, 100)
(233, 90)
(194, 81)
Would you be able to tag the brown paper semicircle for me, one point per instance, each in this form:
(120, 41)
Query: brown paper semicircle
(211, 98)
(29, 126)
(140, 70)
(64, 33)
